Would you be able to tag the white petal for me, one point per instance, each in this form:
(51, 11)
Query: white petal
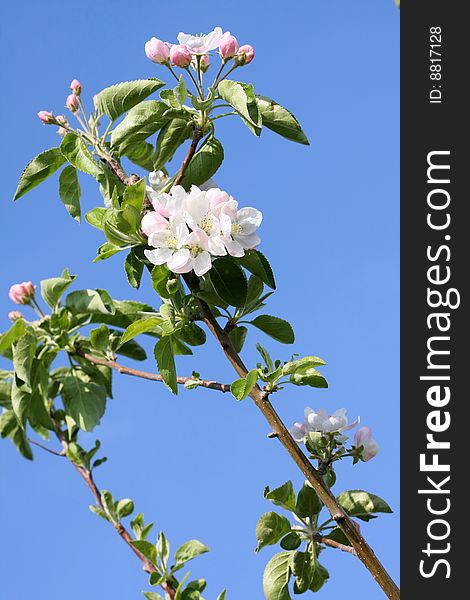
(183, 37)
(202, 263)
(216, 245)
(159, 256)
(178, 263)
(248, 241)
(234, 248)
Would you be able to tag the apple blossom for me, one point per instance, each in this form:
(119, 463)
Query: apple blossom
(363, 437)
(46, 117)
(168, 244)
(152, 222)
(157, 180)
(198, 214)
(22, 293)
(76, 87)
(238, 228)
(245, 55)
(201, 44)
(157, 51)
(322, 422)
(72, 103)
(228, 46)
(180, 56)
(14, 315)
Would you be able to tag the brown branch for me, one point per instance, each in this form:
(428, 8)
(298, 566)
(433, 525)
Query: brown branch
(112, 364)
(46, 448)
(261, 399)
(328, 542)
(87, 477)
(197, 136)
(116, 168)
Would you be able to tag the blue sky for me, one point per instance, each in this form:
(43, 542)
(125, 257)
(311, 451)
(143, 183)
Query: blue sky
(197, 464)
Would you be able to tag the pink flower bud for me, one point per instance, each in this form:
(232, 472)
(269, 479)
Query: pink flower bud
(72, 103)
(205, 62)
(363, 437)
(22, 293)
(153, 222)
(46, 117)
(245, 55)
(76, 87)
(14, 315)
(157, 51)
(180, 56)
(228, 46)
(61, 120)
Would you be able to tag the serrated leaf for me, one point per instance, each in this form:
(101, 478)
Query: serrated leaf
(276, 577)
(170, 138)
(134, 269)
(309, 376)
(140, 326)
(164, 356)
(291, 541)
(280, 120)
(277, 328)
(77, 153)
(255, 262)
(90, 301)
(84, 400)
(270, 528)
(70, 192)
(95, 217)
(37, 170)
(140, 123)
(141, 153)
(283, 495)
(23, 354)
(229, 281)
(304, 568)
(242, 97)
(11, 336)
(308, 502)
(237, 337)
(204, 164)
(147, 549)
(121, 97)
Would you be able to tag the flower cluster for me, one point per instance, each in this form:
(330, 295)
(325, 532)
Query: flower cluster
(72, 102)
(188, 229)
(192, 49)
(320, 423)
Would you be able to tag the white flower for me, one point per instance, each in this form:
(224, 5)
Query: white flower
(197, 250)
(157, 180)
(239, 227)
(170, 204)
(322, 422)
(201, 44)
(169, 246)
(199, 214)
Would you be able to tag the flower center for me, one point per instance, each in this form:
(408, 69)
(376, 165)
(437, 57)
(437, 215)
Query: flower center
(206, 224)
(195, 250)
(172, 242)
(236, 229)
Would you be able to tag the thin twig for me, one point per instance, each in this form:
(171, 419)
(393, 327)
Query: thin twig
(197, 137)
(62, 453)
(328, 542)
(112, 364)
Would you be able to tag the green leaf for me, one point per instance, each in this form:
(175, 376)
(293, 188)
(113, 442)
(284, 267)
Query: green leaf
(8, 338)
(147, 549)
(84, 400)
(23, 354)
(338, 536)
(302, 364)
(140, 326)
(320, 577)
(242, 97)
(152, 596)
(304, 568)
(308, 502)
(163, 547)
(192, 334)
(124, 508)
(140, 123)
(5, 395)
(100, 338)
(134, 269)
(8, 422)
(53, 288)
(95, 217)
(76, 152)
(276, 577)
(134, 195)
(283, 496)
(117, 99)
(240, 388)
(20, 400)
(166, 363)
(19, 439)
(189, 550)
(204, 164)
(90, 301)
(142, 154)
(280, 120)
(70, 192)
(270, 528)
(237, 337)
(358, 503)
(180, 91)
(170, 138)
(291, 541)
(255, 289)
(132, 350)
(160, 277)
(255, 262)
(125, 312)
(39, 169)
(222, 595)
(309, 376)
(229, 281)
(277, 328)
(107, 250)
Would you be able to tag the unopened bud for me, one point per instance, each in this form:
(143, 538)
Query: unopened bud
(228, 46)
(157, 51)
(245, 55)
(22, 293)
(76, 87)
(46, 117)
(72, 103)
(180, 56)
(14, 315)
